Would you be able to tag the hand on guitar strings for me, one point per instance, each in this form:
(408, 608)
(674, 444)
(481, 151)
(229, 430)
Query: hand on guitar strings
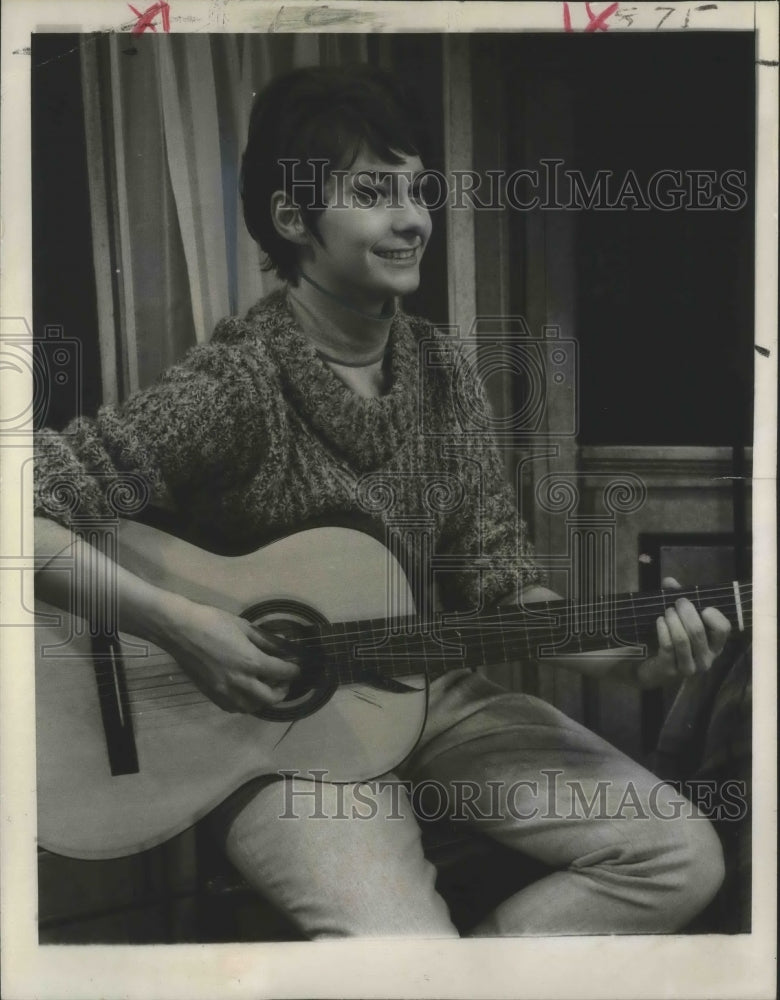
(234, 663)
(688, 642)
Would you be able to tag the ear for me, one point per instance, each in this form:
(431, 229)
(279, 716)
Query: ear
(286, 217)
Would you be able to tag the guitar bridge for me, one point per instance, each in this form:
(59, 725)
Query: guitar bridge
(114, 705)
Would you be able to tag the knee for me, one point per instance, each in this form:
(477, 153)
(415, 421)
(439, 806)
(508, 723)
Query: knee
(673, 860)
(692, 868)
(706, 868)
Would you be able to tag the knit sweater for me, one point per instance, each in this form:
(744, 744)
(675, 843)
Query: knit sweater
(253, 435)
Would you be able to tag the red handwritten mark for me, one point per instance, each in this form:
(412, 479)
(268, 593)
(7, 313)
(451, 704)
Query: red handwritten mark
(600, 20)
(596, 22)
(146, 20)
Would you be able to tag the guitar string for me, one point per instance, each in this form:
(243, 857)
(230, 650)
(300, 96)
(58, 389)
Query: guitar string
(525, 615)
(468, 625)
(618, 607)
(361, 669)
(154, 714)
(425, 648)
(631, 602)
(360, 673)
(146, 710)
(511, 616)
(159, 718)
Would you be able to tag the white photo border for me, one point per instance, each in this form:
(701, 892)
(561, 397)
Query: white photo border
(671, 966)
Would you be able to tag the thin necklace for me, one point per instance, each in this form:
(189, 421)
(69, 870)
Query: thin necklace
(350, 364)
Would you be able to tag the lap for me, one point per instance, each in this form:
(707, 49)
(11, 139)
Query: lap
(477, 726)
(348, 859)
(528, 775)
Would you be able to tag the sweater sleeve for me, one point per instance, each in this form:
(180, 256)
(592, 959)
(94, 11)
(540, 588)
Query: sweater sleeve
(486, 528)
(203, 421)
(500, 535)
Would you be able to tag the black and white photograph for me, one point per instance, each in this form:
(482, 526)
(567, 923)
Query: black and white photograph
(389, 458)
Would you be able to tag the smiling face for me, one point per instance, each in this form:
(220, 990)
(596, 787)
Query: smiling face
(372, 234)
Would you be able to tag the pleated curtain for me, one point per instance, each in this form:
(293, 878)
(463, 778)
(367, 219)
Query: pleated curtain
(166, 119)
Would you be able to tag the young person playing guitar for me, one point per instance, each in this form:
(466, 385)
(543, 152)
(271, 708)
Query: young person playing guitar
(275, 422)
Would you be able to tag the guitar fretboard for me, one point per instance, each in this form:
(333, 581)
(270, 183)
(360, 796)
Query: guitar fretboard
(398, 647)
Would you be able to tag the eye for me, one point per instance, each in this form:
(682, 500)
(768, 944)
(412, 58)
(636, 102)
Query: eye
(425, 190)
(369, 188)
(367, 196)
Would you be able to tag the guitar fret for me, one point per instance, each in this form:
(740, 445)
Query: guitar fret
(604, 618)
(634, 620)
(502, 635)
(550, 619)
(526, 638)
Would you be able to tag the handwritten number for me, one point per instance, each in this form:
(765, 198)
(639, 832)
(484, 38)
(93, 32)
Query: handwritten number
(598, 21)
(628, 15)
(669, 10)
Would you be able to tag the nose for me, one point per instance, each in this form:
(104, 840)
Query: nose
(409, 214)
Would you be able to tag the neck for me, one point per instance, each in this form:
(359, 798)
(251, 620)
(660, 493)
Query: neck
(387, 309)
(359, 650)
(340, 331)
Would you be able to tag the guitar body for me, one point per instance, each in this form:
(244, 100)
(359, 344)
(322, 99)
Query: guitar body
(190, 754)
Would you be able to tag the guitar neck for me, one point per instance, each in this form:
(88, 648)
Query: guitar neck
(411, 645)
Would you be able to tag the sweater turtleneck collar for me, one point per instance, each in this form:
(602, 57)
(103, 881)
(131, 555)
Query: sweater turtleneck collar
(340, 332)
(365, 431)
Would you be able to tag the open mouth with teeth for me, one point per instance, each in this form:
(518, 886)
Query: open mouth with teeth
(400, 256)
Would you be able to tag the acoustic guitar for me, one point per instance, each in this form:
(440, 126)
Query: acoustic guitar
(130, 752)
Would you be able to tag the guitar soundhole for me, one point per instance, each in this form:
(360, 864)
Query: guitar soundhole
(291, 620)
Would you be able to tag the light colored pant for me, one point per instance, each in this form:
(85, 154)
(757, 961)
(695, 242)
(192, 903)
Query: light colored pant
(629, 854)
